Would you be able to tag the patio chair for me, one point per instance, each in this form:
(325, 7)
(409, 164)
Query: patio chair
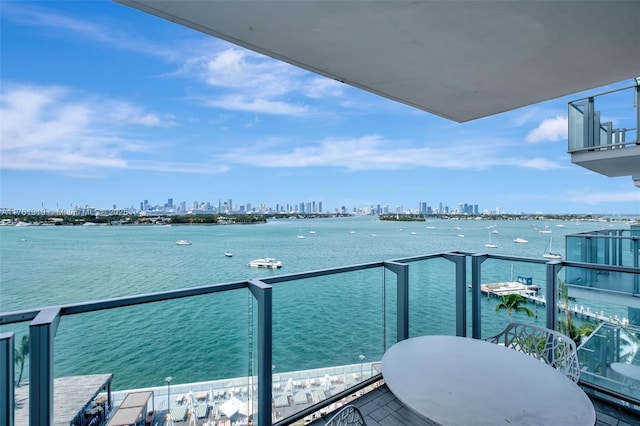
(347, 416)
(549, 346)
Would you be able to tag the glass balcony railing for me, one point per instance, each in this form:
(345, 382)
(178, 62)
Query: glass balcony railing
(295, 344)
(590, 125)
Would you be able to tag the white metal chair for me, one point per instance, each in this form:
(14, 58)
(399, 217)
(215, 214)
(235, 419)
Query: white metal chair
(347, 416)
(550, 346)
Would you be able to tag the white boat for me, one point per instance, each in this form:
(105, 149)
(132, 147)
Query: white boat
(312, 232)
(546, 230)
(490, 244)
(267, 262)
(550, 254)
(301, 237)
(183, 242)
(520, 240)
(228, 254)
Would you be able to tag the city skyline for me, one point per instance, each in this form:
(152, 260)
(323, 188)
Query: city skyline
(229, 206)
(102, 104)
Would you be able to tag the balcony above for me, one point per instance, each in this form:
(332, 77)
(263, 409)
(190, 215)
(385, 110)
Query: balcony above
(608, 146)
(611, 162)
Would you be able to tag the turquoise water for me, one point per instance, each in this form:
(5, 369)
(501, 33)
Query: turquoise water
(317, 322)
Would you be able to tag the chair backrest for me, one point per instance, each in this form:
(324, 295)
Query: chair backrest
(550, 346)
(347, 416)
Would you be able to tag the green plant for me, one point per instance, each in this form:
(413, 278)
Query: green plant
(513, 302)
(21, 355)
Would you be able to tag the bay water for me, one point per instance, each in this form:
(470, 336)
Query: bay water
(317, 322)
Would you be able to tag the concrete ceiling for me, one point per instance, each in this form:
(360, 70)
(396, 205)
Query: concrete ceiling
(457, 59)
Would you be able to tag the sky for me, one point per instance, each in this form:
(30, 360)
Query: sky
(104, 105)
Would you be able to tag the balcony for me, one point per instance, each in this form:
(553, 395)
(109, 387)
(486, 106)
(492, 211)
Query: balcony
(606, 141)
(298, 344)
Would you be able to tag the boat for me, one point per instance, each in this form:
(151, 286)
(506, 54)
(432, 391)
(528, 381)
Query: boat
(183, 242)
(546, 230)
(490, 244)
(267, 262)
(228, 254)
(520, 240)
(300, 236)
(312, 232)
(550, 254)
(522, 285)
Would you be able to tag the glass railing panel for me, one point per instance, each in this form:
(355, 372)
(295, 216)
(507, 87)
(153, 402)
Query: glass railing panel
(432, 297)
(328, 335)
(619, 250)
(192, 354)
(620, 104)
(608, 329)
(502, 277)
(20, 382)
(576, 127)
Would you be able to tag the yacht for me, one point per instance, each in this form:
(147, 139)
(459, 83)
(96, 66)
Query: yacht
(520, 240)
(228, 254)
(183, 242)
(267, 262)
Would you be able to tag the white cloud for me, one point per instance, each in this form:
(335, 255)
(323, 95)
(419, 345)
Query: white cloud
(52, 128)
(239, 102)
(593, 198)
(246, 81)
(551, 129)
(377, 153)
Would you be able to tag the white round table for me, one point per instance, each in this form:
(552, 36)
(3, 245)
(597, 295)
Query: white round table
(631, 371)
(462, 381)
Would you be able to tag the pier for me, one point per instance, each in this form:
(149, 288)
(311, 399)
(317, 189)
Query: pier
(526, 289)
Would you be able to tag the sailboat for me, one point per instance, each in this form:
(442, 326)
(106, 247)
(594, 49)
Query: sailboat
(490, 244)
(550, 254)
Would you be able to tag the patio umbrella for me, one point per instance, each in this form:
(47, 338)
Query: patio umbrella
(234, 406)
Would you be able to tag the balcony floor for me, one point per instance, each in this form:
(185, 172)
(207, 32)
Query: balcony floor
(381, 408)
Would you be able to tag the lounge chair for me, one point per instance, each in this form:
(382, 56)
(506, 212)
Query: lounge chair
(347, 416)
(549, 346)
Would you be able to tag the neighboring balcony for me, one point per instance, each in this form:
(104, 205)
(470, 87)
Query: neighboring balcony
(603, 137)
(283, 369)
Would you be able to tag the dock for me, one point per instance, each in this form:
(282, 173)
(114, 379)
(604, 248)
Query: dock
(525, 288)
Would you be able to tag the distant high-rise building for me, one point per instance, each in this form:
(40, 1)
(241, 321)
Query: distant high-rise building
(319, 206)
(170, 203)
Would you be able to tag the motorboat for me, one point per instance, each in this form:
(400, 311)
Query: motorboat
(183, 242)
(520, 240)
(228, 254)
(267, 262)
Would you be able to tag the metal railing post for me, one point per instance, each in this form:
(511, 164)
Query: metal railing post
(42, 330)
(553, 268)
(262, 293)
(402, 288)
(476, 281)
(460, 261)
(7, 379)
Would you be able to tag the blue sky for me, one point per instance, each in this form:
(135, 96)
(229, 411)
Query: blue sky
(104, 105)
